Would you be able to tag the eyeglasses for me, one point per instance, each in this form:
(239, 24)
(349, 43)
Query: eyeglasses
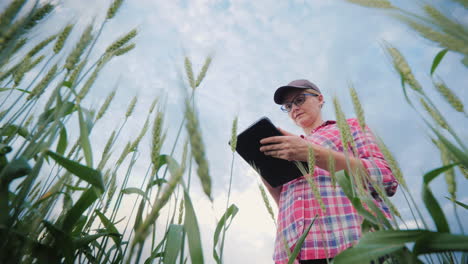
(298, 101)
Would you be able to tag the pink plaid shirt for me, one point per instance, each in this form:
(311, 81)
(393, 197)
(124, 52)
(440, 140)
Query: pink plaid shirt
(340, 227)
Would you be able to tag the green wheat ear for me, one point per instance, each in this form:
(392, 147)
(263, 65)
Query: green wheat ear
(402, 67)
(189, 72)
(131, 107)
(40, 87)
(358, 108)
(234, 134)
(114, 8)
(434, 113)
(450, 173)
(203, 71)
(198, 149)
(449, 96)
(266, 201)
(373, 3)
(62, 37)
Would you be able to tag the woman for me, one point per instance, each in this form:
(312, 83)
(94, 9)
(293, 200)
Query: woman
(339, 227)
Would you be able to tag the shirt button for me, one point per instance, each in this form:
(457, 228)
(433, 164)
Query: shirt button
(299, 223)
(299, 198)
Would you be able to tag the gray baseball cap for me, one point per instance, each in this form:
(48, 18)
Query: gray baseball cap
(297, 84)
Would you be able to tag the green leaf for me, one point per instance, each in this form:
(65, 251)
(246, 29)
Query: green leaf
(174, 243)
(457, 153)
(157, 182)
(433, 242)
(110, 228)
(18, 89)
(13, 170)
(4, 149)
(437, 59)
(85, 201)
(373, 245)
(405, 93)
(300, 241)
(84, 139)
(75, 188)
(458, 202)
(63, 142)
(431, 175)
(435, 210)
(64, 109)
(431, 202)
(11, 130)
(67, 84)
(229, 214)
(86, 240)
(134, 190)
(172, 164)
(83, 172)
(193, 232)
(380, 216)
(62, 242)
(156, 254)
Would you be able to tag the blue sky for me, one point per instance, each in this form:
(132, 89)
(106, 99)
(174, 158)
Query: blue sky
(256, 47)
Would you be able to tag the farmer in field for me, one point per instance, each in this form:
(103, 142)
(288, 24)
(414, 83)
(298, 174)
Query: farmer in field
(338, 227)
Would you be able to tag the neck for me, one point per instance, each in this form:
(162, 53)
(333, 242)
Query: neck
(313, 126)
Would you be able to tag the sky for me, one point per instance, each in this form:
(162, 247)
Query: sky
(256, 47)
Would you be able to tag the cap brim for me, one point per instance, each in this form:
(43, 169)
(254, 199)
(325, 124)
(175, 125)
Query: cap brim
(281, 92)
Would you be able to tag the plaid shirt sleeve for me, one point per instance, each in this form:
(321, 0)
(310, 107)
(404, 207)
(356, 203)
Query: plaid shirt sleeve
(372, 158)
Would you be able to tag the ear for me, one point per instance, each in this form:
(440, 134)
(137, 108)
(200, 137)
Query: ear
(321, 100)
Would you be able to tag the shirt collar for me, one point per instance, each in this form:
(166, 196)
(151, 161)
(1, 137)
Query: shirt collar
(324, 124)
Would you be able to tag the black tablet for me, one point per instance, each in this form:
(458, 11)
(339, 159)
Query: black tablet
(275, 171)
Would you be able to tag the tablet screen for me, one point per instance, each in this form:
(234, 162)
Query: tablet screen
(275, 171)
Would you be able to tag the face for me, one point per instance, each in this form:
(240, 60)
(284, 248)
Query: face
(307, 114)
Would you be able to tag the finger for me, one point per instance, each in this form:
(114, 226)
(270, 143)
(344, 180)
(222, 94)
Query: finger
(272, 147)
(269, 140)
(273, 153)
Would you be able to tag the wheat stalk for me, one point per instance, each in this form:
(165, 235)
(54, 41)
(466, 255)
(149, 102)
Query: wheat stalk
(41, 45)
(233, 142)
(203, 71)
(157, 139)
(113, 8)
(76, 72)
(450, 96)
(105, 105)
(10, 13)
(140, 136)
(74, 56)
(62, 37)
(21, 71)
(403, 68)
(434, 114)
(124, 50)
(189, 72)
(267, 203)
(119, 43)
(331, 168)
(445, 40)
(40, 87)
(450, 173)
(198, 149)
(357, 108)
(373, 3)
(131, 107)
(391, 161)
(311, 180)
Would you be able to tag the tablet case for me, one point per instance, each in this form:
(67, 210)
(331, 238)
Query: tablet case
(275, 171)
